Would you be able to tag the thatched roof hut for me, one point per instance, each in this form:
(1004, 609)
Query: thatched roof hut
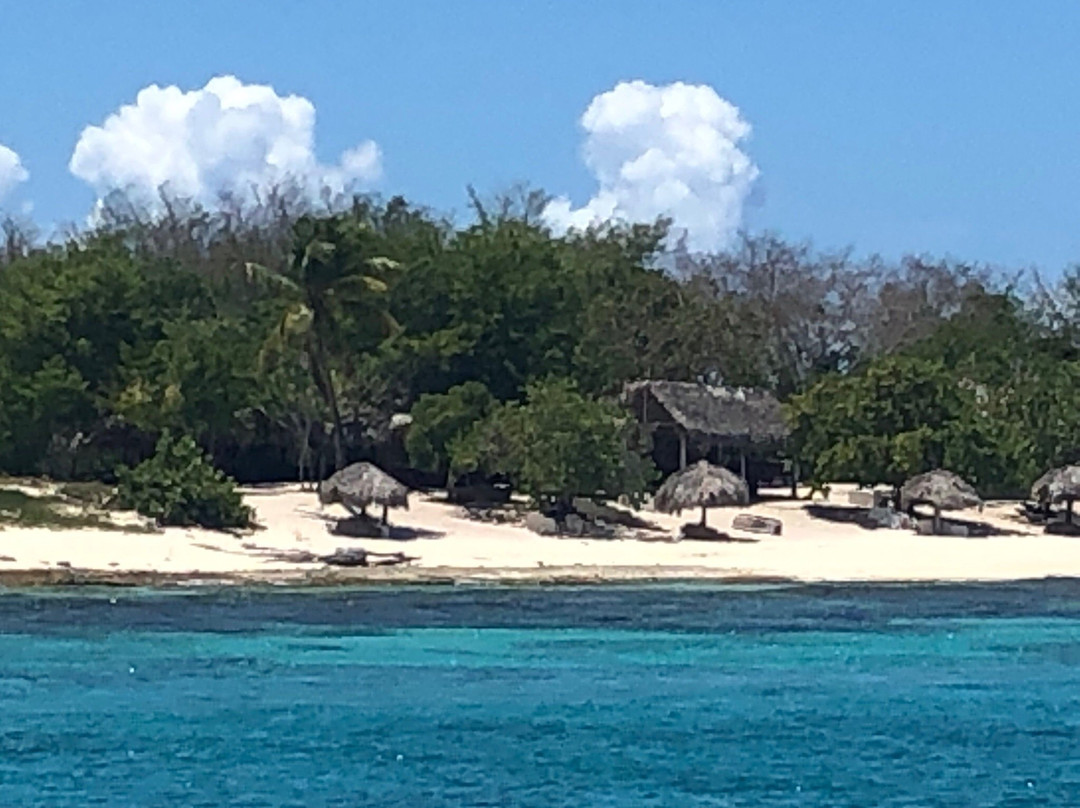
(941, 489)
(1058, 485)
(363, 484)
(734, 415)
(702, 485)
(702, 420)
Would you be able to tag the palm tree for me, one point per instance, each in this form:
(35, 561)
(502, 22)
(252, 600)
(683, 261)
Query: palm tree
(329, 275)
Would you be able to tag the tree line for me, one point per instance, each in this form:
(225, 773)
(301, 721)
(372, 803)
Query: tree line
(282, 336)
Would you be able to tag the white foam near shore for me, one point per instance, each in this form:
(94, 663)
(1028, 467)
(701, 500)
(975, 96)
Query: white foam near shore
(811, 548)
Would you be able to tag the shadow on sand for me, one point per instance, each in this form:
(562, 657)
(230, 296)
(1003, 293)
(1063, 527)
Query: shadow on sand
(862, 518)
(693, 531)
(359, 527)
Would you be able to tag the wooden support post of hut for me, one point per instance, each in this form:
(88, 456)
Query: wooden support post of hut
(682, 449)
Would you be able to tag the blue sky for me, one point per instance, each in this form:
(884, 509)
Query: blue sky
(935, 127)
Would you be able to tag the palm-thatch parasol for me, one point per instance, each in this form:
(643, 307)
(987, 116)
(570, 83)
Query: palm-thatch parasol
(944, 490)
(701, 485)
(363, 484)
(1059, 485)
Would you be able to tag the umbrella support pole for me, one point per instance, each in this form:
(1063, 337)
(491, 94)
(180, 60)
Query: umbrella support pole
(703, 516)
(937, 521)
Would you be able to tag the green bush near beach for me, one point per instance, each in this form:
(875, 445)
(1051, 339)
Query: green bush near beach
(439, 419)
(179, 486)
(558, 445)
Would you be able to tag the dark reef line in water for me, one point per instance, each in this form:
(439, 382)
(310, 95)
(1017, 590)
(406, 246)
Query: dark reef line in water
(696, 608)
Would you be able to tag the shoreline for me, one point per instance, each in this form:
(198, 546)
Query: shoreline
(389, 577)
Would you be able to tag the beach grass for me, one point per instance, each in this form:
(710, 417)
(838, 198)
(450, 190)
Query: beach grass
(64, 510)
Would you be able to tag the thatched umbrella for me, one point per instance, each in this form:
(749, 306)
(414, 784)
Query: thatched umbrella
(1059, 485)
(944, 490)
(701, 485)
(363, 484)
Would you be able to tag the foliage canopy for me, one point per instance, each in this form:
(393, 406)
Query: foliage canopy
(282, 337)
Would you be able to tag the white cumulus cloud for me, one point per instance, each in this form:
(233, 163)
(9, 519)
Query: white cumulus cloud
(227, 136)
(12, 171)
(669, 151)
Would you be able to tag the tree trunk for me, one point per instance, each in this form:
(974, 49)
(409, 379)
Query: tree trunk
(335, 413)
(324, 382)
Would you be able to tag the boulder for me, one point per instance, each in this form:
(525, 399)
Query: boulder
(887, 517)
(359, 527)
(574, 525)
(925, 527)
(544, 525)
(870, 498)
(757, 524)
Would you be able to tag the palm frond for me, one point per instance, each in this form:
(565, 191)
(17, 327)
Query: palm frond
(383, 263)
(316, 251)
(263, 275)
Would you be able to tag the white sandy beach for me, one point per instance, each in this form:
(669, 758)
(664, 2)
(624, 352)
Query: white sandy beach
(455, 548)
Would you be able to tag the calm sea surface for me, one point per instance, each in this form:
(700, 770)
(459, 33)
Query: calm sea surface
(785, 696)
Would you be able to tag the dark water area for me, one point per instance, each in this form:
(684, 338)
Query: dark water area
(605, 696)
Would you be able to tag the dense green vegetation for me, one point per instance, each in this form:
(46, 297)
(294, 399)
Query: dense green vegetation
(556, 445)
(281, 339)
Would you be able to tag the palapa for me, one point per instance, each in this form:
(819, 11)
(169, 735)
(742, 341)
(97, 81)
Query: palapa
(1059, 485)
(701, 485)
(941, 489)
(363, 484)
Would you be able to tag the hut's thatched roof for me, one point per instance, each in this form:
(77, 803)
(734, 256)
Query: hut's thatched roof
(363, 484)
(732, 415)
(1057, 485)
(701, 485)
(942, 489)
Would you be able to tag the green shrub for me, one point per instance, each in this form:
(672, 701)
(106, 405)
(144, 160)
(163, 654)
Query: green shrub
(180, 486)
(558, 445)
(439, 419)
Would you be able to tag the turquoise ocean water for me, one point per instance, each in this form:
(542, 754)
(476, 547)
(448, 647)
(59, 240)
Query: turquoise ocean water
(774, 696)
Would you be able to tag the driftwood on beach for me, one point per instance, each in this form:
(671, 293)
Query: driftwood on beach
(359, 557)
(341, 557)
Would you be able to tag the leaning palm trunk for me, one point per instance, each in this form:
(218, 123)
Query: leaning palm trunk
(325, 382)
